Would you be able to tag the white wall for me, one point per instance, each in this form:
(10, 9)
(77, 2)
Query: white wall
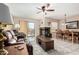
(62, 24)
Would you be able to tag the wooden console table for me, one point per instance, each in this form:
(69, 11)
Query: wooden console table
(12, 50)
(45, 42)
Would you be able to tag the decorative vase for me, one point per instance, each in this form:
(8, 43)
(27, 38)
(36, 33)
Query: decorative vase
(2, 50)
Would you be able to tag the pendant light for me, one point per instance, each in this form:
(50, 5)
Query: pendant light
(65, 18)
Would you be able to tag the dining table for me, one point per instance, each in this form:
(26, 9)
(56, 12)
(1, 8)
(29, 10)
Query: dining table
(72, 34)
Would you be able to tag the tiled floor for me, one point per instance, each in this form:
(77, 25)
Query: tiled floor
(61, 48)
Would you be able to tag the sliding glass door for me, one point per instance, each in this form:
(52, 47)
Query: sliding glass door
(31, 29)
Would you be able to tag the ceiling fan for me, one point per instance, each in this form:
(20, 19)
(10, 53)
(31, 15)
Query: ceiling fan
(45, 9)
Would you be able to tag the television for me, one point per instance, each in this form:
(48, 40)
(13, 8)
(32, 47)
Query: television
(45, 31)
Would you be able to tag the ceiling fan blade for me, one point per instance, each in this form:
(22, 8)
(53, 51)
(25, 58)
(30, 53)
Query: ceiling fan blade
(39, 8)
(39, 12)
(50, 10)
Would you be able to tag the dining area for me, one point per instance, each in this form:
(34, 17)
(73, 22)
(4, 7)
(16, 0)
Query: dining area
(72, 36)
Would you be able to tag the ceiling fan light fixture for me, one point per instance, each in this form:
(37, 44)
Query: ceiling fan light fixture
(45, 9)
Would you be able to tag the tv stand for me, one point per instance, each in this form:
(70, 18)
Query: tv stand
(45, 42)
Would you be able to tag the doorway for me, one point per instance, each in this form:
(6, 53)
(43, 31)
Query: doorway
(31, 29)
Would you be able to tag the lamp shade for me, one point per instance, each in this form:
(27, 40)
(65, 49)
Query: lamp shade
(5, 16)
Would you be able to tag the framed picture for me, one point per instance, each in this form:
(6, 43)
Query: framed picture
(72, 25)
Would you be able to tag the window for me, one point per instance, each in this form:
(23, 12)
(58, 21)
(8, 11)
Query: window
(31, 25)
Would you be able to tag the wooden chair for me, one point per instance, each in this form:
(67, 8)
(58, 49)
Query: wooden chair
(67, 35)
(59, 34)
(75, 37)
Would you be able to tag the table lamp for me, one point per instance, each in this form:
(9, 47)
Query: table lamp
(5, 19)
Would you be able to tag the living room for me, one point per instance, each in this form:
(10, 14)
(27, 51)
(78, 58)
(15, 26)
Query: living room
(39, 29)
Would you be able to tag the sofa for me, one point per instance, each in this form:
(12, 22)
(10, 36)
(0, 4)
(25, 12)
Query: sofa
(15, 37)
